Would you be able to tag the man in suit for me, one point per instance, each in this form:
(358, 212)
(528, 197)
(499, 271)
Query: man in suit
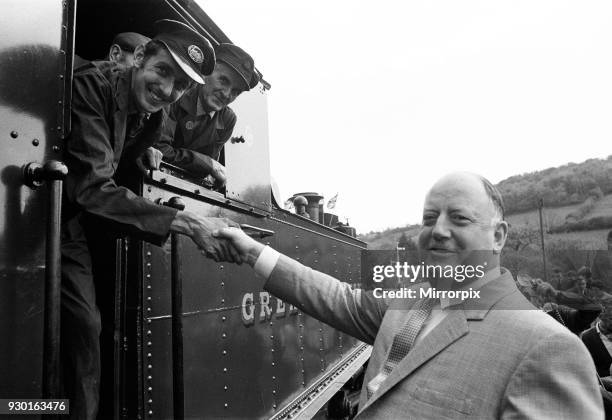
(202, 122)
(117, 113)
(492, 356)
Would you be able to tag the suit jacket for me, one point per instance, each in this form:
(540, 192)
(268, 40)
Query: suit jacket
(496, 357)
(599, 352)
(99, 143)
(189, 135)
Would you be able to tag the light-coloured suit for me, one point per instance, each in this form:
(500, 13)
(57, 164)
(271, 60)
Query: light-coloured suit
(496, 357)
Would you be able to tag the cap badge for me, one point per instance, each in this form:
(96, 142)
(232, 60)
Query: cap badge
(189, 125)
(196, 54)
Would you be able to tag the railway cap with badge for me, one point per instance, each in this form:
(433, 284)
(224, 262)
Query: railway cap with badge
(192, 52)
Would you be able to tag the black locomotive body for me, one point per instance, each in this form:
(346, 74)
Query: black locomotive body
(245, 354)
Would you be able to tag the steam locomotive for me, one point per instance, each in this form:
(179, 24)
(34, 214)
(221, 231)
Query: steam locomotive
(185, 336)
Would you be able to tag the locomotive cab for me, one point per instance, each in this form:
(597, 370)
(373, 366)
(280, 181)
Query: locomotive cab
(245, 353)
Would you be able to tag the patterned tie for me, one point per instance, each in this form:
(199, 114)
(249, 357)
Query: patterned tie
(402, 343)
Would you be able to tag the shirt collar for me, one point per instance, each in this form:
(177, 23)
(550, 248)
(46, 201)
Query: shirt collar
(132, 108)
(201, 111)
(451, 284)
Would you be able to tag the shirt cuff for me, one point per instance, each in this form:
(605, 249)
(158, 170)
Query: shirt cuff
(266, 262)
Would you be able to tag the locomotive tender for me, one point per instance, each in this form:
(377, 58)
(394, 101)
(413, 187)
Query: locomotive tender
(225, 348)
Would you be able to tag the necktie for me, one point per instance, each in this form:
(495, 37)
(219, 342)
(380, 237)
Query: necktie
(402, 343)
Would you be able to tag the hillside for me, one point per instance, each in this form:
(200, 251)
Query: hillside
(577, 204)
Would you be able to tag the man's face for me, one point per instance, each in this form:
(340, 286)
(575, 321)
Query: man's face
(158, 80)
(221, 87)
(459, 218)
(582, 283)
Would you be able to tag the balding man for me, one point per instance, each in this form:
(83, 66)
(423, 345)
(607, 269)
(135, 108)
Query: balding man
(440, 355)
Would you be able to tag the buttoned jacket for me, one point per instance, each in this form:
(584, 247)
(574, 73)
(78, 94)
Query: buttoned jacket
(97, 146)
(495, 357)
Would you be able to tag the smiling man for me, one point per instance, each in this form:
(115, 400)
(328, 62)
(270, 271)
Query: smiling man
(201, 122)
(117, 113)
(490, 357)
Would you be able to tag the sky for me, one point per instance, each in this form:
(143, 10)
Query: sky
(377, 100)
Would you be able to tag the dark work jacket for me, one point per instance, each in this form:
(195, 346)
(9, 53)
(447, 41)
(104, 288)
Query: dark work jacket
(96, 147)
(187, 136)
(598, 351)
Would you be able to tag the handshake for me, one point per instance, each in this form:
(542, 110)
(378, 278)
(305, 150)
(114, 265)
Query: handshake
(219, 238)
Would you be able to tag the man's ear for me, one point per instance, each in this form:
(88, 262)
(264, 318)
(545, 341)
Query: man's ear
(115, 53)
(139, 55)
(500, 236)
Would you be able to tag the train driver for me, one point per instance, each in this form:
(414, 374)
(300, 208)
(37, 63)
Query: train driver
(117, 112)
(202, 122)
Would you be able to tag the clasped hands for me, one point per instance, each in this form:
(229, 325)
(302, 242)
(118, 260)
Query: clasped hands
(220, 239)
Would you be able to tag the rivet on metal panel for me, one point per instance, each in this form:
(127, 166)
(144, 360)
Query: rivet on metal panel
(61, 76)
(149, 355)
(222, 301)
(148, 253)
(149, 298)
(55, 149)
(268, 243)
(148, 332)
(149, 343)
(297, 247)
(196, 191)
(150, 401)
(224, 369)
(149, 189)
(149, 287)
(150, 389)
(271, 323)
(221, 267)
(274, 406)
(35, 142)
(274, 391)
(149, 321)
(316, 261)
(149, 367)
(225, 388)
(303, 383)
(272, 337)
(225, 405)
(148, 264)
(148, 276)
(224, 335)
(149, 377)
(14, 134)
(322, 370)
(150, 412)
(228, 201)
(223, 318)
(274, 378)
(272, 350)
(224, 352)
(273, 364)
(222, 284)
(163, 180)
(251, 209)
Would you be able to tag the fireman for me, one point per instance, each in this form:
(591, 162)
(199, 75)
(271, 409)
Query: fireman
(202, 122)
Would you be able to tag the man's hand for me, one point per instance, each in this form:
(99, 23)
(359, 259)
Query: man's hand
(248, 248)
(200, 230)
(218, 172)
(149, 160)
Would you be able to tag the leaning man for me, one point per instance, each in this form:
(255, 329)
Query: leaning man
(491, 357)
(117, 114)
(201, 122)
